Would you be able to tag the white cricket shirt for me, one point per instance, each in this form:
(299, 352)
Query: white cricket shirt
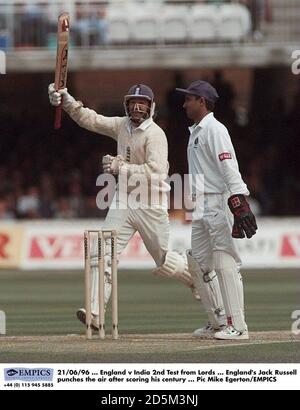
(211, 154)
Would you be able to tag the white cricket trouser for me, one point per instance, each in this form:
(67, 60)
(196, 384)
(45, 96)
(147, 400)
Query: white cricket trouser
(214, 249)
(153, 227)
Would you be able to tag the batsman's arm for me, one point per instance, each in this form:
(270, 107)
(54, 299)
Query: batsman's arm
(84, 117)
(90, 120)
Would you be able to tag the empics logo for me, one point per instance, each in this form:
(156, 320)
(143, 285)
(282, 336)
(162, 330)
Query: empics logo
(27, 374)
(12, 372)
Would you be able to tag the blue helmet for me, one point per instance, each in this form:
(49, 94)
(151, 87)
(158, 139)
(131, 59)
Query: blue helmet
(142, 91)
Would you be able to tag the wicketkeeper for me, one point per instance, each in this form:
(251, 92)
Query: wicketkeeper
(142, 151)
(214, 259)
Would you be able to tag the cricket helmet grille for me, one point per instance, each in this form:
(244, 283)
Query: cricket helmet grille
(144, 92)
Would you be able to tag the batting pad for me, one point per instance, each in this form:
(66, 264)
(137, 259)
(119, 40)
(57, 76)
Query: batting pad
(95, 289)
(208, 288)
(175, 267)
(231, 289)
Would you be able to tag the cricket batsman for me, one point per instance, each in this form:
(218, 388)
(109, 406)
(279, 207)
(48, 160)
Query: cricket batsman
(142, 152)
(214, 257)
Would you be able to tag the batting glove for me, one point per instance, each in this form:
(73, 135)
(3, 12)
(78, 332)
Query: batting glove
(58, 97)
(111, 165)
(244, 220)
(106, 163)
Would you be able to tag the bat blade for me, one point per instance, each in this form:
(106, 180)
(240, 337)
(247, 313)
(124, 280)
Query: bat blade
(61, 70)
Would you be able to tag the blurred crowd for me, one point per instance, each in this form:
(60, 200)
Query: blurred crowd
(47, 174)
(34, 26)
(44, 174)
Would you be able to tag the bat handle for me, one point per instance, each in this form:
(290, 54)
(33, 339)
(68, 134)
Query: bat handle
(58, 112)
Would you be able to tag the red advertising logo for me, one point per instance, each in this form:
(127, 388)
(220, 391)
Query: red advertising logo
(290, 246)
(10, 245)
(56, 247)
(4, 241)
(70, 247)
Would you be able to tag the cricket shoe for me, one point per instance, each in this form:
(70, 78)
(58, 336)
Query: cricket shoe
(230, 333)
(81, 315)
(206, 332)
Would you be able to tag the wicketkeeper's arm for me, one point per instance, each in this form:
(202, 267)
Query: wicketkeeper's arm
(224, 158)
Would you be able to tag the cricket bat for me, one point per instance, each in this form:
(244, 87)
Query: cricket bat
(63, 32)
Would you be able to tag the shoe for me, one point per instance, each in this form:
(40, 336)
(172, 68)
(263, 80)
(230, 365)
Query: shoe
(81, 315)
(206, 332)
(230, 333)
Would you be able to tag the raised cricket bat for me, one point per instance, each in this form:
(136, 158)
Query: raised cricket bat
(63, 32)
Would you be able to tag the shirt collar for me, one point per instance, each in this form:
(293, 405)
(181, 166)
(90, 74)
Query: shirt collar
(202, 123)
(143, 126)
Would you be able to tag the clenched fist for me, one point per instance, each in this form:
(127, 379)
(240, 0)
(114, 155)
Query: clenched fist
(111, 165)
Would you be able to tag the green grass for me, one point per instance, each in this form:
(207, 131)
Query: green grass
(45, 304)
(269, 353)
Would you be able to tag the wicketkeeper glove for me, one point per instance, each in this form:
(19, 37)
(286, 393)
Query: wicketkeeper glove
(55, 97)
(244, 220)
